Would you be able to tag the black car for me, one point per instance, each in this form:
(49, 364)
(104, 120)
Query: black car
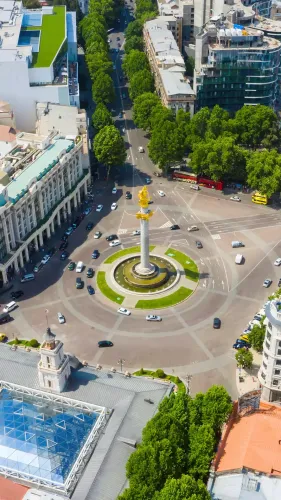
(112, 237)
(64, 237)
(52, 251)
(95, 254)
(279, 282)
(118, 37)
(128, 196)
(105, 343)
(150, 201)
(17, 294)
(64, 256)
(216, 323)
(174, 227)
(63, 245)
(90, 290)
(79, 283)
(90, 226)
(90, 272)
(198, 244)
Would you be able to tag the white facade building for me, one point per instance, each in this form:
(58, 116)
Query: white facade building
(41, 183)
(270, 371)
(53, 367)
(33, 70)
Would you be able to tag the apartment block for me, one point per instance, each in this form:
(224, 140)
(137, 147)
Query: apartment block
(42, 180)
(38, 59)
(168, 66)
(235, 66)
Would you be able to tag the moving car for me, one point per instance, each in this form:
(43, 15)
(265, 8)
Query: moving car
(128, 195)
(161, 193)
(105, 343)
(64, 256)
(216, 323)
(71, 266)
(45, 259)
(277, 262)
(99, 208)
(148, 180)
(120, 115)
(198, 244)
(193, 228)
(235, 198)
(90, 272)
(90, 289)
(63, 245)
(114, 206)
(136, 232)
(114, 190)
(17, 294)
(153, 317)
(69, 231)
(61, 318)
(174, 227)
(112, 237)
(124, 311)
(79, 283)
(115, 243)
(141, 149)
(10, 307)
(95, 254)
(267, 283)
(89, 226)
(97, 235)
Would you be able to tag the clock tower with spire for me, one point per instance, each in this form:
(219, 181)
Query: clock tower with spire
(53, 367)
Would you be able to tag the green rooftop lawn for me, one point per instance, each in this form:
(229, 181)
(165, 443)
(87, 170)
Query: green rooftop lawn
(52, 37)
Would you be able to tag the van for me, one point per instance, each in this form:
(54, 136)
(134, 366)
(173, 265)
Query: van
(79, 267)
(195, 187)
(10, 307)
(27, 277)
(237, 244)
(37, 267)
(239, 258)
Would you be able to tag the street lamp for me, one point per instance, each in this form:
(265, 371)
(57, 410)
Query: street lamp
(188, 378)
(121, 362)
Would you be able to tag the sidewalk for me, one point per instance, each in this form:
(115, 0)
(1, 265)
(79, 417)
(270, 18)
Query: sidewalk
(247, 380)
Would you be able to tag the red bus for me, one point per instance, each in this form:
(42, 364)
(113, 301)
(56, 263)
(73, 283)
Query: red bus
(192, 178)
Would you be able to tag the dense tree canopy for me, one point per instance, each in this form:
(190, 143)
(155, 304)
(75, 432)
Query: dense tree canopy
(109, 147)
(103, 89)
(166, 144)
(101, 117)
(256, 337)
(133, 43)
(134, 62)
(185, 488)
(244, 358)
(256, 126)
(140, 83)
(134, 28)
(264, 171)
(143, 107)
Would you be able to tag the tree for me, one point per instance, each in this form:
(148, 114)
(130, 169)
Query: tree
(140, 83)
(264, 171)
(133, 43)
(184, 488)
(101, 117)
(103, 89)
(166, 144)
(216, 407)
(98, 63)
(202, 444)
(32, 4)
(133, 29)
(133, 62)
(109, 147)
(159, 115)
(256, 126)
(244, 358)
(195, 409)
(143, 107)
(256, 337)
(189, 65)
(217, 123)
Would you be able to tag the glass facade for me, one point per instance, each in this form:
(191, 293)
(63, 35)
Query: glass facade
(41, 439)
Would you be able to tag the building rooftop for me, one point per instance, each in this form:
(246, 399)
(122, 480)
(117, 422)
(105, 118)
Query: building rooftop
(175, 84)
(252, 441)
(7, 133)
(11, 491)
(65, 119)
(38, 168)
(268, 25)
(104, 476)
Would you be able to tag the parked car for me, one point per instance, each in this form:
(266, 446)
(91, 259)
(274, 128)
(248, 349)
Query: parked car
(277, 262)
(112, 237)
(91, 290)
(64, 237)
(115, 243)
(64, 256)
(63, 245)
(69, 231)
(79, 283)
(193, 228)
(97, 235)
(114, 206)
(114, 190)
(17, 294)
(198, 244)
(99, 208)
(90, 272)
(71, 266)
(95, 254)
(161, 193)
(45, 259)
(105, 343)
(148, 180)
(153, 317)
(61, 318)
(239, 346)
(174, 227)
(3, 337)
(120, 115)
(52, 251)
(128, 195)
(235, 198)
(87, 211)
(216, 323)
(124, 311)
(267, 283)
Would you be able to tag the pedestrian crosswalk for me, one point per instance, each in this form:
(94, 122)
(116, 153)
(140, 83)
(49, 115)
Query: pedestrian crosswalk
(122, 231)
(167, 224)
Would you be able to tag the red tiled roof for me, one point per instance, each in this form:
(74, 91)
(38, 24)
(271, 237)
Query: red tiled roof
(10, 490)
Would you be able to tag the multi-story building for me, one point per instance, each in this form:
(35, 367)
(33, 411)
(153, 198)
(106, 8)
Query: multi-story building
(38, 59)
(270, 371)
(42, 180)
(235, 66)
(168, 66)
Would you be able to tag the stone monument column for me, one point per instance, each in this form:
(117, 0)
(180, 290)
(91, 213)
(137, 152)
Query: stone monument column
(145, 267)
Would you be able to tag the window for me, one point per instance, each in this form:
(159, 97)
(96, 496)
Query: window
(48, 360)
(263, 375)
(49, 383)
(265, 355)
(265, 365)
(277, 372)
(279, 344)
(268, 335)
(275, 382)
(278, 362)
(269, 325)
(279, 352)
(267, 345)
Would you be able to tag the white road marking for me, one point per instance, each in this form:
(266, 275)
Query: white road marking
(222, 284)
(167, 224)
(122, 231)
(213, 283)
(216, 236)
(202, 262)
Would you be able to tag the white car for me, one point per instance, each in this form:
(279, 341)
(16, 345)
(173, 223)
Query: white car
(114, 190)
(235, 198)
(114, 206)
(141, 149)
(193, 228)
(124, 311)
(99, 208)
(267, 283)
(153, 317)
(97, 235)
(114, 66)
(161, 193)
(115, 243)
(61, 318)
(277, 262)
(45, 259)
(136, 232)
